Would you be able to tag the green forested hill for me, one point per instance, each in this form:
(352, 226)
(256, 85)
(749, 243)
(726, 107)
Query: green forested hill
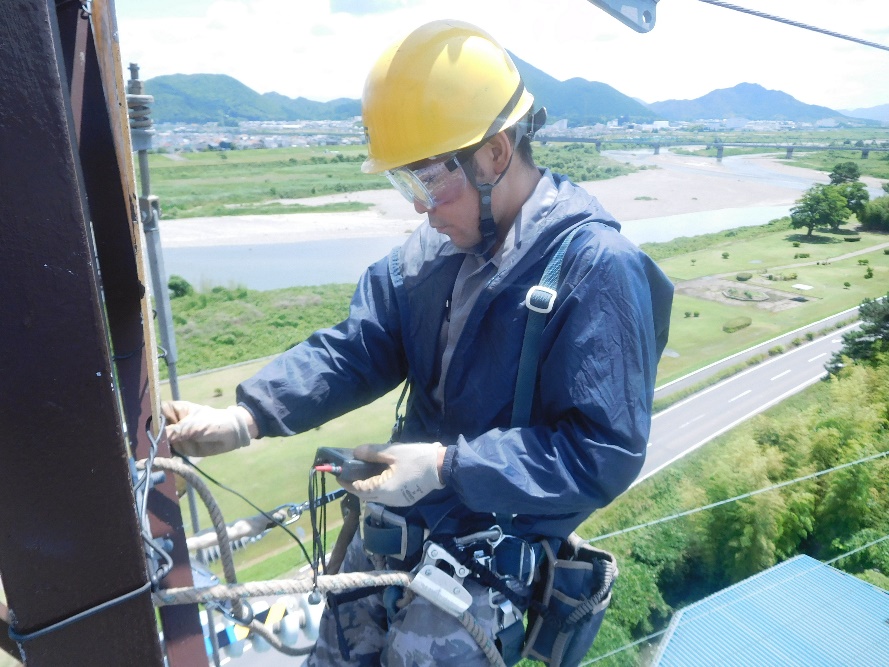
(202, 98)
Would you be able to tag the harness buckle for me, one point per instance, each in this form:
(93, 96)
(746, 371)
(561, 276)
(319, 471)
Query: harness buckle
(538, 293)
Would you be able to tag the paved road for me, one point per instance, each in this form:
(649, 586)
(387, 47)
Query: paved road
(693, 422)
(785, 340)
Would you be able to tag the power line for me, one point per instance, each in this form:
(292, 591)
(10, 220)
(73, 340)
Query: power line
(795, 24)
(741, 497)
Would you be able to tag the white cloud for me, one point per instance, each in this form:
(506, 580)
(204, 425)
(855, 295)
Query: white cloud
(322, 50)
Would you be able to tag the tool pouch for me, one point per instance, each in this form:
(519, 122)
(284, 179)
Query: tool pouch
(569, 602)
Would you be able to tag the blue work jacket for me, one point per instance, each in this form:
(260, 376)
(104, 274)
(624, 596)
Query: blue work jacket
(591, 412)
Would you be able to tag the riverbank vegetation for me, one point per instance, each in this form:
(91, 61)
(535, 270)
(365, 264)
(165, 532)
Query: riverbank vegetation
(223, 326)
(266, 181)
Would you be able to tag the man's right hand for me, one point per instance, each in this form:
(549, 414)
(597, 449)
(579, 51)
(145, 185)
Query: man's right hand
(199, 430)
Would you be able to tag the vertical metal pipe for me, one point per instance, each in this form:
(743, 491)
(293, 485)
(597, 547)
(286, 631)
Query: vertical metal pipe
(150, 214)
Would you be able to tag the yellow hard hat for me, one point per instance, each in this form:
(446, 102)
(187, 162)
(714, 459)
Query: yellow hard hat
(446, 86)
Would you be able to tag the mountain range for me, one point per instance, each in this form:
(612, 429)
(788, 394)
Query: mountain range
(201, 98)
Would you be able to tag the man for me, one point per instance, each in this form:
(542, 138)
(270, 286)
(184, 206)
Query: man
(450, 122)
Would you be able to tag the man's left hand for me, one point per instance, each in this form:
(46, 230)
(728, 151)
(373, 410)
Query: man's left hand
(413, 473)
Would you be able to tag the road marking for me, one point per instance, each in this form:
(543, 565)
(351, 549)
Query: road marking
(756, 411)
(733, 378)
(836, 340)
(817, 356)
(692, 421)
(779, 375)
(743, 393)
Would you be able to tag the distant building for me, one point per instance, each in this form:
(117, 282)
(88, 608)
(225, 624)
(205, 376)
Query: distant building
(736, 123)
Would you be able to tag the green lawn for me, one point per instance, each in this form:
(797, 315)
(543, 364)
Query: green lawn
(234, 182)
(876, 165)
(767, 253)
(700, 340)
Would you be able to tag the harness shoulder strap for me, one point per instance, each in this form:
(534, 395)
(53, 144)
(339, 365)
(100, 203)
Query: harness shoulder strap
(539, 301)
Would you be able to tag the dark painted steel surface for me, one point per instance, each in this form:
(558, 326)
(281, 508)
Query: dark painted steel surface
(69, 538)
(110, 184)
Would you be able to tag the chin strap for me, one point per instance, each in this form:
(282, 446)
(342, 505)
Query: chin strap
(526, 127)
(486, 224)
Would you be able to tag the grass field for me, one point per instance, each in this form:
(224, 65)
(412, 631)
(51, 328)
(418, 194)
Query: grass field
(260, 181)
(700, 340)
(216, 183)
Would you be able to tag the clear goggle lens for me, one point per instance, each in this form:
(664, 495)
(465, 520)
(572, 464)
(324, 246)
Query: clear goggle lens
(436, 184)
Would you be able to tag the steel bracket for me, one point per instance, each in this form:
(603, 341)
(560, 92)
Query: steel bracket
(637, 14)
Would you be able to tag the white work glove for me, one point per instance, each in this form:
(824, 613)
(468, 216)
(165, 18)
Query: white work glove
(199, 430)
(412, 473)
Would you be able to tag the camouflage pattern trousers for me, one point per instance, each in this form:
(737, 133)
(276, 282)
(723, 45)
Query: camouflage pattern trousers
(418, 635)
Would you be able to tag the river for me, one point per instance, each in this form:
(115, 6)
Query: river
(264, 266)
(271, 266)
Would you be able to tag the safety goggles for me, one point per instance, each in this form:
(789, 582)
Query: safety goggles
(440, 182)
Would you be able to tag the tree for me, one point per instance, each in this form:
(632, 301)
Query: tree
(821, 205)
(844, 172)
(886, 186)
(179, 286)
(870, 340)
(856, 197)
(875, 214)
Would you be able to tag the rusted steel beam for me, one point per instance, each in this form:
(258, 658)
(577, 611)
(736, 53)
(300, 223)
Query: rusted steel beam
(106, 161)
(69, 541)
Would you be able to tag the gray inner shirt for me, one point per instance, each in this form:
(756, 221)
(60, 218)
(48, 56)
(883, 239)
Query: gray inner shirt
(476, 272)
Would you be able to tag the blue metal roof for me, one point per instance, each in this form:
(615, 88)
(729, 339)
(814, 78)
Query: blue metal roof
(799, 613)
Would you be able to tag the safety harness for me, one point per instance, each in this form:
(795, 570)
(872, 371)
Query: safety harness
(492, 557)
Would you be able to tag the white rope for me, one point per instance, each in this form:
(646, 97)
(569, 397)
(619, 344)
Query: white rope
(329, 583)
(249, 527)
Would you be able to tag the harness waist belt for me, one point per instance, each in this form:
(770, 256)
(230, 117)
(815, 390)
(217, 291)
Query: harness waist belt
(388, 534)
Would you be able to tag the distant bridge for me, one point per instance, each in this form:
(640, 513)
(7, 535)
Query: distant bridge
(718, 145)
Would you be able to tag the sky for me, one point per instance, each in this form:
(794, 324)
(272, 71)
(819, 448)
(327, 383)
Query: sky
(323, 49)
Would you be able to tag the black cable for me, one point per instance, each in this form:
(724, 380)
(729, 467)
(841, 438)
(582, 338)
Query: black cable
(21, 638)
(795, 24)
(257, 508)
(318, 536)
